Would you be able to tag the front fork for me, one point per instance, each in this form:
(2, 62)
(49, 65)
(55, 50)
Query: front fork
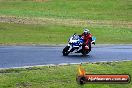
(70, 47)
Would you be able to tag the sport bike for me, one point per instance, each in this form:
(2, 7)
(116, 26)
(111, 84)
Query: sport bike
(76, 44)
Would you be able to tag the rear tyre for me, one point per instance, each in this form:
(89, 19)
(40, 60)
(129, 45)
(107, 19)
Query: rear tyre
(84, 52)
(65, 51)
(89, 44)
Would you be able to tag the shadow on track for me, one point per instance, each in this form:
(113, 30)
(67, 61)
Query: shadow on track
(78, 56)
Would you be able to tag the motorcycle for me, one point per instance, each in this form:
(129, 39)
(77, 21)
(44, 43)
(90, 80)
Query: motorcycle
(76, 44)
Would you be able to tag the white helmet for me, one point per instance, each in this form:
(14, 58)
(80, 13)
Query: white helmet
(86, 31)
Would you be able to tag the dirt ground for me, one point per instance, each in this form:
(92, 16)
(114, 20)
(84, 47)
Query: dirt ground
(68, 22)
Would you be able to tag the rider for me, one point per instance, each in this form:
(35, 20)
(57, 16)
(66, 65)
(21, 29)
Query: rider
(87, 37)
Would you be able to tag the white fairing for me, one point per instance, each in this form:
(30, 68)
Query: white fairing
(93, 41)
(72, 40)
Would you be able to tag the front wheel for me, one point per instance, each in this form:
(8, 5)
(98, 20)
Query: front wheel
(65, 51)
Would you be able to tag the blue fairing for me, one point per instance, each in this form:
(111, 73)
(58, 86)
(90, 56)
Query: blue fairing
(75, 44)
(81, 40)
(78, 42)
(93, 38)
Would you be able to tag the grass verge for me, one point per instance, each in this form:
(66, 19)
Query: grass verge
(85, 9)
(11, 33)
(62, 76)
(54, 21)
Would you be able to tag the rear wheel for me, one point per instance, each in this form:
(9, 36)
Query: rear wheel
(89, 45)
(65, 51)
(85, 52)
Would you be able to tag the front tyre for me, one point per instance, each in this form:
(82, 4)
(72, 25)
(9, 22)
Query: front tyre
(65, 51)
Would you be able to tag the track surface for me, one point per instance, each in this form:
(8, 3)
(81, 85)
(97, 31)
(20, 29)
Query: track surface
(18, 56)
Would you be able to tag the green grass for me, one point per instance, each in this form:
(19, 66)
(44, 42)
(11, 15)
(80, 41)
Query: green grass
(111, 21)
(61, 76)
(75, 9)
(58, 34)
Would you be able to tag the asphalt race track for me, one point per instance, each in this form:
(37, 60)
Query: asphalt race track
(19, 56)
